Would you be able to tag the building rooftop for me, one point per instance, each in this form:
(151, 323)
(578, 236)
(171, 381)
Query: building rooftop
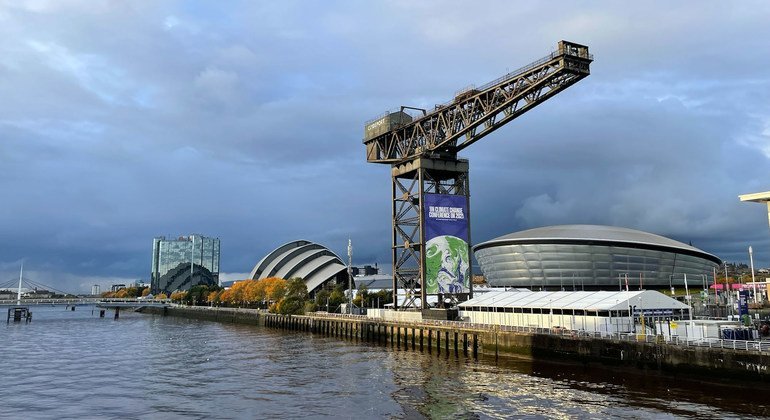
(594, 234)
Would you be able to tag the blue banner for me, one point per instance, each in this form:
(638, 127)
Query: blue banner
(447, 254)
(743, 302)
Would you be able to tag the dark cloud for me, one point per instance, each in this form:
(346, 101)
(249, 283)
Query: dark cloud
(121, 122)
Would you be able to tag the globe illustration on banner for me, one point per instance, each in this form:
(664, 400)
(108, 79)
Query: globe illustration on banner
(447, 265)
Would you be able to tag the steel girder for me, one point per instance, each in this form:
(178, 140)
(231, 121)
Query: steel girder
(410, 182)
(476, 112)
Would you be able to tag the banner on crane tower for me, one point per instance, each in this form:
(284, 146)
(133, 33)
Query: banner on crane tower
(447, 262)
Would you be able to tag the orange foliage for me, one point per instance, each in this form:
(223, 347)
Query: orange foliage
(251, 292)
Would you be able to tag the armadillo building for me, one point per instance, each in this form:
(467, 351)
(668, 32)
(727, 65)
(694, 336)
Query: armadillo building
(591, 257)
(314, 263)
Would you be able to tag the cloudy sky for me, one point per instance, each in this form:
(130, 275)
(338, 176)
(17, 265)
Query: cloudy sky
(125, 120)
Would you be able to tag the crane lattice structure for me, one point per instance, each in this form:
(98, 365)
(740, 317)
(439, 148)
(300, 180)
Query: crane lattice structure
(430, 183)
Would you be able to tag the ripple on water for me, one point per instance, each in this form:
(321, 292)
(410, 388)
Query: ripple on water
(76, 365)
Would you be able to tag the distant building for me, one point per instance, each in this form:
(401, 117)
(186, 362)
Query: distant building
(183, 277)
(169, 254)
(365, 270)
(116, 287)
(95, 290)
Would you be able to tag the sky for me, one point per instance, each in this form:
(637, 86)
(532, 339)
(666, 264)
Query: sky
(121, 121)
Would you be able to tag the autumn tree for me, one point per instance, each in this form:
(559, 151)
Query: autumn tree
(178, 296)
(214, 297)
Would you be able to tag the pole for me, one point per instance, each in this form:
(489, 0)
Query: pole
(18, 292)
(350, 276)
(689, 301)
(716, 300)
(192, 258)
(753, 282)
(729, 292)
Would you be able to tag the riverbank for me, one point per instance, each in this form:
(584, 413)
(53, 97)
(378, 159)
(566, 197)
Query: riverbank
(447, 337)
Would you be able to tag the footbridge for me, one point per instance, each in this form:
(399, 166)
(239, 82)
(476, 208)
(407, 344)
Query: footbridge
(98, 301)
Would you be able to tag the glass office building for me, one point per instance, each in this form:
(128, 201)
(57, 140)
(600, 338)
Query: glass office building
(167, 254)
(590, 257)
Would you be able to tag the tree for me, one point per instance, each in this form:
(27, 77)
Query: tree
(213, 297)
(178, 296)
(145, 291)
(275, 288)
(362, 297)
(198, 295)
(293, 303)
(322, 298)
(337, 298)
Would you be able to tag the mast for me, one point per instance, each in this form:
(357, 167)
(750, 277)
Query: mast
(18, 295)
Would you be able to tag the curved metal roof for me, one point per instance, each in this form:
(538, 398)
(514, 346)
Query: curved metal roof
(593, 301)
(312, 262)
(595, 234)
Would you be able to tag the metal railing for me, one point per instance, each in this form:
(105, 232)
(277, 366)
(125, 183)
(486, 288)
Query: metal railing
(744, 345)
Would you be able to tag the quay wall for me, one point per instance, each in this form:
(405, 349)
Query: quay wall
(443, 337)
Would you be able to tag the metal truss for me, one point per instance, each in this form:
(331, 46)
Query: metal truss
(423, 151)
(410, 182)
(476, 112)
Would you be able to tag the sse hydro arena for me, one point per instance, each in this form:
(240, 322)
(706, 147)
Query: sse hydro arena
(590, 257)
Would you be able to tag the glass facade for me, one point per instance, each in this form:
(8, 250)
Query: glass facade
(169, 253)
(590, 266)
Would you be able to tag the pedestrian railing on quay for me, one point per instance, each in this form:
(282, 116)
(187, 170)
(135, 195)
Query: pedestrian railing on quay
(746, 345)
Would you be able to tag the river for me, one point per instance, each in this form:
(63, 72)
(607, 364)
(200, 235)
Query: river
(76, 365)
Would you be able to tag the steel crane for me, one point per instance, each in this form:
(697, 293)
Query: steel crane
(430, 194)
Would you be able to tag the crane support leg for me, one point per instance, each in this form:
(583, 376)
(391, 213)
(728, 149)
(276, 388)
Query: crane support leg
(431, 231)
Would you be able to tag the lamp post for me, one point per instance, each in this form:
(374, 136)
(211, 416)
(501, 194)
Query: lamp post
(689, 300)
(350, 276)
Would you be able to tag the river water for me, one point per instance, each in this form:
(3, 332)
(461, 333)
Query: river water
(76, 365)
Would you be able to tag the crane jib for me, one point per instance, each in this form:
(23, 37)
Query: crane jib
(475, 111)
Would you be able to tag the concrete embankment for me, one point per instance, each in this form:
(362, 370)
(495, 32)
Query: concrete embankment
(490, 342)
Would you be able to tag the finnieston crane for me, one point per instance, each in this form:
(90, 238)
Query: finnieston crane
(430, 206)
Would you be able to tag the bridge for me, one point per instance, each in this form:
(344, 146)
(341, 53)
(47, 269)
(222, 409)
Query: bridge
(20, 309)
(98, 301)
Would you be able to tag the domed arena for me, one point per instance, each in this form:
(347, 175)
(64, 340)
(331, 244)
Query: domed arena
(312, 262)
(592, 257)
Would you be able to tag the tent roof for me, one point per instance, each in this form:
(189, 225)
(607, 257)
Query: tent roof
(593, 301)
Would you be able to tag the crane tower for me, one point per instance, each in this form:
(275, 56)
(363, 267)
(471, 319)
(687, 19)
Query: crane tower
(430, 195)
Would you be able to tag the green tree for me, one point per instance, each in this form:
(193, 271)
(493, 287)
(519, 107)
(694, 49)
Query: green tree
(198, 295)
(362, 297)
(381, 298)
(337, 298)
(293, 303)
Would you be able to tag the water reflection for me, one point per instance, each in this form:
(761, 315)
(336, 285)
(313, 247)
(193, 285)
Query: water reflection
(78, 365)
